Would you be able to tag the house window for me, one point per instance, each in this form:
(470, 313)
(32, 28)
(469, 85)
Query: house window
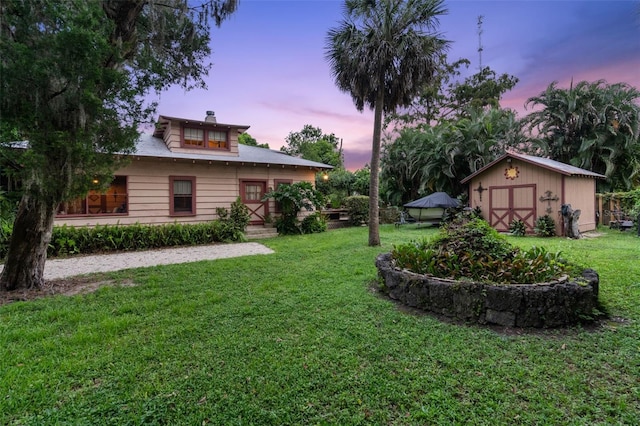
(182, 195)
(217, 139)
(253, 191)
(112, 201)
(193, 137)
(204, 138)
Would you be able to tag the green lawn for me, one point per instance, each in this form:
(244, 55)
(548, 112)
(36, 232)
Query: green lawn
(299, 337)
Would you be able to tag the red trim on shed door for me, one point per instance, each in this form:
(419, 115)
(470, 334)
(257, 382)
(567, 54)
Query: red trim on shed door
(251, 193)
(507, 203)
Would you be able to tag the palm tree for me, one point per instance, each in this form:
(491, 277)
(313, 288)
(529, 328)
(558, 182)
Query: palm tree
(438, 160)
(418, 162)
(595, 126)
(400, 166)
(383, 53)
(424, 160)
(484, 135)
(562, 121)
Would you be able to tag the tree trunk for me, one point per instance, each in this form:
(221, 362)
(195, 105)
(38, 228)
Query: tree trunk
(374, 185)
(24, 265)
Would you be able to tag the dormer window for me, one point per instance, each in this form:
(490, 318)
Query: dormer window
(193, 137)
(217, 139)
(204, 138)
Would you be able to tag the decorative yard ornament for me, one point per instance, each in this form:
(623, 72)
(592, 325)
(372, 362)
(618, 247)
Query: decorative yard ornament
(480, 190)
(548, 197)
(511, 173)
(570, 217)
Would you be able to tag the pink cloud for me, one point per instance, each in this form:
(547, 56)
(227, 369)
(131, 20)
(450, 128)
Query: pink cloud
(270, 72)
(626, 70)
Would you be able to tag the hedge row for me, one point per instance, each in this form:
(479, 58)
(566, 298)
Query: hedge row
(66, 240)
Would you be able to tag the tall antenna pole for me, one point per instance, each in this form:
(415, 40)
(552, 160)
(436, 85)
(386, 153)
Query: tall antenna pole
(480, 49)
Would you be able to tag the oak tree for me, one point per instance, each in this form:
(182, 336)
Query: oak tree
(74, 75)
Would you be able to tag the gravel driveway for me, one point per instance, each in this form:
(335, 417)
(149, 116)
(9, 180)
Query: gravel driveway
(64, 268)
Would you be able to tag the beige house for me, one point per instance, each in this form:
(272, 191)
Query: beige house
(183, 172)
(525, 187)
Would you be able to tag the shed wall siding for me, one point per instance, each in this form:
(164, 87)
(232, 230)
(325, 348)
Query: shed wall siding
(582, 196)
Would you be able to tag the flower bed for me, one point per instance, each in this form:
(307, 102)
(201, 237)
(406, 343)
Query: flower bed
(553, 304)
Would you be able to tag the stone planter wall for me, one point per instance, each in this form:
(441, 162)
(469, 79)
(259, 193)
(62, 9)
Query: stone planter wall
(553, 304)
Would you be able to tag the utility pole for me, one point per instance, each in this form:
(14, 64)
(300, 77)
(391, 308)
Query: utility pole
(480, 48)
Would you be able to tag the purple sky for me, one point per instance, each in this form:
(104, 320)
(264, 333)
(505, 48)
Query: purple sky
(269, 69)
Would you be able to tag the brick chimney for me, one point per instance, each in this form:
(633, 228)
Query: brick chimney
(211, 117)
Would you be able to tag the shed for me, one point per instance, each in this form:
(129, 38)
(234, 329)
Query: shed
(525, 187)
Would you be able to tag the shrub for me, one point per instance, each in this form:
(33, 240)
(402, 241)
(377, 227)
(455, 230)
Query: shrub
(537, 265)
(232, 226)
(473, 250)
(358, 209)
(518, 228)
(288, 225)
(293, 198)
(477, 211)
(635, 211)
(461, 215)
(314, 223)
(474, 236)
(389, 215)
(239, 215)
(7, 217)
(545, 226)
(67, 240)
(335, 200)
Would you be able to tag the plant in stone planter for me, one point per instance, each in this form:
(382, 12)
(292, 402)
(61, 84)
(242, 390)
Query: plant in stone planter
(474, 250)
(466, 270)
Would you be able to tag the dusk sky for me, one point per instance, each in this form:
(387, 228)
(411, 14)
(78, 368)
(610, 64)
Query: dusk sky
(270, 72)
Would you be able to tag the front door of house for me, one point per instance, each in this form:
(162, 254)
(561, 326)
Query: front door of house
(251, 193)
(508, 203)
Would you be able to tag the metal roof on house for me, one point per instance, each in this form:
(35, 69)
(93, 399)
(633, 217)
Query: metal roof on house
(150, 146)
(547, 163)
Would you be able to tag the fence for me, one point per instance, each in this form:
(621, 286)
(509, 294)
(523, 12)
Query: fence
(616, 207)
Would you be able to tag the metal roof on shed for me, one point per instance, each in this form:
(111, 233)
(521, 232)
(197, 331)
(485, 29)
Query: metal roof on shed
(547, 163)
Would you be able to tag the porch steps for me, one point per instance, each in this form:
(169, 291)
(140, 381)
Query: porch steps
(259, 232)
